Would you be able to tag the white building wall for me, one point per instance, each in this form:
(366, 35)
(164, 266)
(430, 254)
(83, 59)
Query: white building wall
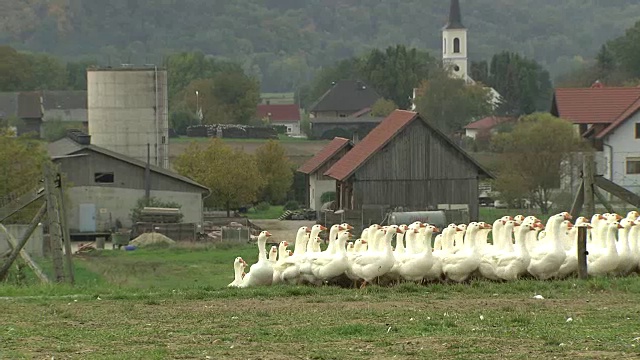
(472, 133)
(116, 203)
(624, 145)
(317, 188)
(459, 59)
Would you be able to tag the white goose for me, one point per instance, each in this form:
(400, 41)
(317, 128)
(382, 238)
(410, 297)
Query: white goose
(626, 262)
(570, 264)
(549, 254)
(290, 268)
(359, 247)
(370, 265)
(459, 266)
(280, 263)
(488, 266)
(238, 268)
(327, 268)
(512, 265)
(260, 273)
(414, 267)
(605, 260)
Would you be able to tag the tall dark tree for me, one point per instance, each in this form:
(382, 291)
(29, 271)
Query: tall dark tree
(393, 73)
(627, 50)
(525, 86)
(479, 71)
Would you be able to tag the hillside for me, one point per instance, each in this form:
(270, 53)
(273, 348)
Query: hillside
(284, 41)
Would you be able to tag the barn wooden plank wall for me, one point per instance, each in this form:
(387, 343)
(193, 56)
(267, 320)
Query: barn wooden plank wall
(416, 170)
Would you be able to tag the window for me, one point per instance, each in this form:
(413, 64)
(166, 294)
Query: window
(456, 46)
(343, 115)
(289, 130)
(637, 130)
(633, 166)
(104, 178)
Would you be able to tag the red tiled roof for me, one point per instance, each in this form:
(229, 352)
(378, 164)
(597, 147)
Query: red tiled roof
(280, 113)
(374, 141)
(325, 154)
(488, 123)
(631, 110)
(594, 105)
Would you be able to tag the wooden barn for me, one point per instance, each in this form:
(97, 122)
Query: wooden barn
(407, 163)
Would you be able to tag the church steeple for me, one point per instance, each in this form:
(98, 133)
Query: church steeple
(455, 16)
(454, 43)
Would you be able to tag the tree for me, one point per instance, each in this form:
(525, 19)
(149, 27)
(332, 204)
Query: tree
(180, 120)
(231, 175)
(627, 50)
(450, 103)
(395, 72)
(14, 69)
(21, 162)
(275, 169)
(225, 98)
(532, 156)
(186, 67)
(524, 85)
(383, 107)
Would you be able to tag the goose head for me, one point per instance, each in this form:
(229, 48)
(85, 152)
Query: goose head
(519, 219)
(633, 215)
(282, 247)
(273, 254)
(315, 230)
(262, 238)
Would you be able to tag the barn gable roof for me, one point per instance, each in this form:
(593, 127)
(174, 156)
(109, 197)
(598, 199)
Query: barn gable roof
(279, 112)
(66, 146)
(313, 164)
(629, 112)
(381, 136)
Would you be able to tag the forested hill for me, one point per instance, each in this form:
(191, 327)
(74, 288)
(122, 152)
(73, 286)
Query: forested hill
(284, 41)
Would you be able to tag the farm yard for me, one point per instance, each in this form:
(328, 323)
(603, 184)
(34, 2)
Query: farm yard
(174, 303)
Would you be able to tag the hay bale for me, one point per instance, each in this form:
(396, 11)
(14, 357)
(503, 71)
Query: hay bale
(153, 238)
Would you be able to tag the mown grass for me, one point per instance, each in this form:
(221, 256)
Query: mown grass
(173, 303)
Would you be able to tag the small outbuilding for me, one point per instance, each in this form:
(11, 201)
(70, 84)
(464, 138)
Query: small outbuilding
(105, 186)
(314, 169)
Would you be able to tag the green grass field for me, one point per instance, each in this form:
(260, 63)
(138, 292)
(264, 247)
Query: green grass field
(274, 212)
(282, 138)
(173, 303)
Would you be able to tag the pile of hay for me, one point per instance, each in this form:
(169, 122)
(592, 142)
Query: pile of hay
(149, 239)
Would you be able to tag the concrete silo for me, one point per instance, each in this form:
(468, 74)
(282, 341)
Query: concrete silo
(128, 109)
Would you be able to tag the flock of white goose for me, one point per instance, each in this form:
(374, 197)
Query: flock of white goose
(520, 246)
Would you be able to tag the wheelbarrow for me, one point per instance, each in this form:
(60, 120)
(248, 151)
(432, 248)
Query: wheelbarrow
(120, 239)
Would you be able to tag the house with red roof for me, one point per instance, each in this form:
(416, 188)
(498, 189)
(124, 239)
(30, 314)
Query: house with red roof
(610, 118)
(281, 114)
(406, 162)
(314, 169)
(488, 125)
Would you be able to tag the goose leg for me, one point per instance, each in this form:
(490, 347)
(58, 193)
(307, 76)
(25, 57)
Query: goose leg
(364, 284)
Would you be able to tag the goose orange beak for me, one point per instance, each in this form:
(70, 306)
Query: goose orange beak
(322, 228)
(268, 234)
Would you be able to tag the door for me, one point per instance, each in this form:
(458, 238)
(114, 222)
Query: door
(87, 218)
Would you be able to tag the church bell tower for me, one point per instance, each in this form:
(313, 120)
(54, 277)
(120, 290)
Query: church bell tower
(454, 43)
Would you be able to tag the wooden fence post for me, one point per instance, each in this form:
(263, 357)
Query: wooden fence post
(23, 240)
(582, 252)
(53, 217)
(588, 176)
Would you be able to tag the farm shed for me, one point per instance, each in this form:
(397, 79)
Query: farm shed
(407, 163)
(317, 182)
(106, 185)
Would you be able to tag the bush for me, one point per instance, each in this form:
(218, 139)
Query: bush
(263, 206)
(54, 130)
(328, 197)
(291, 205)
